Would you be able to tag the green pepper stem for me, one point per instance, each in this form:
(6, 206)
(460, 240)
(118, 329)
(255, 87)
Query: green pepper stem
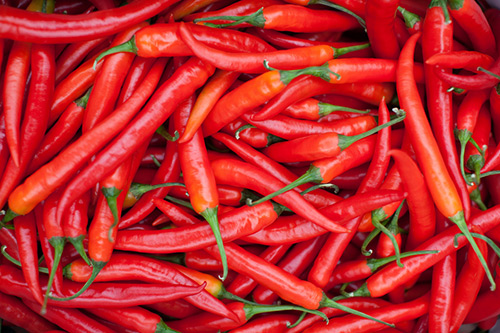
(345, 141)
(481, 69)
(327, 302)
(241, 129)
(210, 215)
(111, 194)
(77, 243)
(342, 9)
(162, 131)
(459, 220)
(376, 223)
(138, 189)
(58, 244)
(7, 256)
(97, 266)
(256, 19)
(340, 51)
(311, 175)
(252, 310)
(326, 109)
(410, 18)
(129, 46)
(375, 264)
(179, 202)
(161, 327)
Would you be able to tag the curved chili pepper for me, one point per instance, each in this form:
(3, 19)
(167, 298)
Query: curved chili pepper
(58, 28)
(212, 91)
(255, 62)
(380, 16)
(163, 40)
(319, 146)
(468, 282)
(59, 134)
(286, 285)
(470, 16)
(122, 266)
(35, 117)
(290, 18)
(439, 182)
(65, 164)
(314, 109)
(104, 294)
(442, 292)
(243, 285)
(73, 55)
(108, 81)
(420, 204)
(75, 224)
(436, 38)
(232, 172)
(296, 261)
(251, 94)
(233, 225)
(289, 128)
(168, 172)
(199, 177)
(469, 60)
(309, 86)
(16, 312)
(70, 319)
(134, 318)
(25, 229)
(318, 198)
(295, 228)
(242, 7)
(392, 313)
(16, 73)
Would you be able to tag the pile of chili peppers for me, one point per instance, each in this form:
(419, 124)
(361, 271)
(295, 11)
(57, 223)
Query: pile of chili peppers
(249, 165)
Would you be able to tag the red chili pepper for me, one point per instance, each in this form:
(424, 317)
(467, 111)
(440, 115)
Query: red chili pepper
(299, 229)
(289, 18)
(35, 117)
(134, 318)
(468, 282)
(251, 94)
(123, 266)
(199, 177)
(243, 285)
(255, 62)
(469, 15)
(380, 16)
(232, 172)
(75, 224)
(485, 306)
(213, 90)
(139, 69)
(283, 40)
(25, 229)
(178, 308)
(242, 7)
(442, 294)
(420, 204)
(278, 322)
(469, 60)
(286, 285)
(4, 148)
(309, 86)
(104, 294)
(16, 73)
(108, 81)
(59, 134)
(65, 164)
(318, 198)
(314, 109)
(233, 225)
(318, 146)
(392, 313)
(16, 312)
(296, 261)
(438, 179)
(289, 128)
(74, 54)
(58, 28)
